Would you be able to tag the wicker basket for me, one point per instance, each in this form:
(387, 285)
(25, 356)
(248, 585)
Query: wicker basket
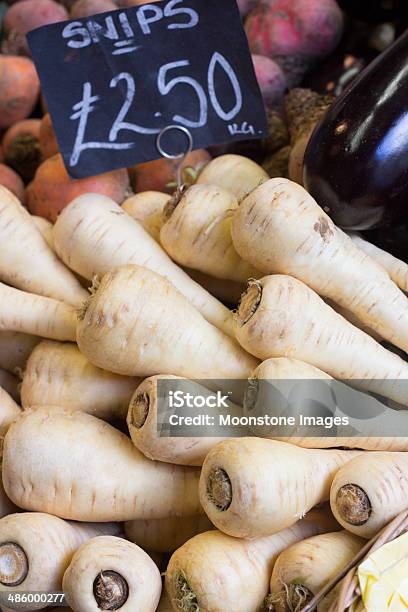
(349, 597)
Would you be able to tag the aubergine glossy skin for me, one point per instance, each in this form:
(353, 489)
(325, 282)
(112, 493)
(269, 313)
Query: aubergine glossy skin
(356, 163)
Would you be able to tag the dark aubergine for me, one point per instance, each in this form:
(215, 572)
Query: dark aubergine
(356, 163)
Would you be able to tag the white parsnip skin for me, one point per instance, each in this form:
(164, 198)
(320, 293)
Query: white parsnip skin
(281, 316)
(197, 233)
(304, 568)
(234, 173)
(26, 261)
(45, 228)
(397, 269)
(105, 478)
(9, 410)
(370, 491)
(167, 534)
(10, 384)
(279, 228)
(58, 374)
(94, 235)
(214, 572)
(6, 506)
(36, 548)
(143, 418)
(138, 324)
(251, 487)
(260, 402)
(15, 349)
(35, 314)
(147, 208)
(109, 573)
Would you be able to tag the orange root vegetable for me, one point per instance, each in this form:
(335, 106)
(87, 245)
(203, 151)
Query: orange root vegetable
(304, 568)
(94, 235)
(27, 262)
(197, 233)
(15, 349)
(160, 174)
(109, 573)
(45, 228)
(36, 548)
(52, 188)
(19, 86)
(21, 146)
(279, 315)
(9, 410)
(12, 181)
(147, 208)
(87, 8)
(280, 228)
(370, 491)
(251, 487)
(397, 269)
(234, 173)
(35, 314)
(48, 140)
(166, 535)
(59, 375)
(142, 421)
(137, 324)
(105, 478)
(215, 572)
(10, 384)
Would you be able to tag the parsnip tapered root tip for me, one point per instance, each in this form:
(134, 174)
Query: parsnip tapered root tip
(13, 564)
(353, 505)
(140, 409)
(219, 489)
(185, 598)
(249, 302)
(110, 590)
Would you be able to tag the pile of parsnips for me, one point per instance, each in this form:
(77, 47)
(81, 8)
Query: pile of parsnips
(318, 304)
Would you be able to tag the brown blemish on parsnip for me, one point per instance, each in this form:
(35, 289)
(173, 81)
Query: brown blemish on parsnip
(353, 505)
(322, 226)
(249, 302)
(140, 409)
(219, 489)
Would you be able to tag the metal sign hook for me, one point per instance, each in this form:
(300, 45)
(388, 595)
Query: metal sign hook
(179, 156)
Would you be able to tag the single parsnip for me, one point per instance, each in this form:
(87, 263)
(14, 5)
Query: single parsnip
(9, 410)
(197, 233)
(354, 320)
(279, 228)
(93, 235)
(15, 349)
(148, 403)
(109, 573)
(281, 316)
(45, 228)
(304, 568)
(370, 491)
(104, 477)
(147, 208)
(10, 384)
(136, 323)
(167, 534)
(36, 314)
(35, 550)
(26, 261)
(397, 269)
(284, 387)
(250, 487)
(234, 173)
(58, 374)
(214, 572)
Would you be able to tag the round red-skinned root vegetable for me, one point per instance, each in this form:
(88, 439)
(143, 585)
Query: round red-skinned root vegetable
(11, 180)
(21, 147)
(48, 140)
(52, 188)
(271, 79)
(294, 32)
(19, 86)
(86, 8)
(245, 6)
(27, 15)
(160, 174)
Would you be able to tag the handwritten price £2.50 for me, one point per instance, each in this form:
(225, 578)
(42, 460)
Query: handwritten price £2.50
(165, 85)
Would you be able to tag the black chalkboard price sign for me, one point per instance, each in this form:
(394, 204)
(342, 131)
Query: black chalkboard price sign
(113, 81)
